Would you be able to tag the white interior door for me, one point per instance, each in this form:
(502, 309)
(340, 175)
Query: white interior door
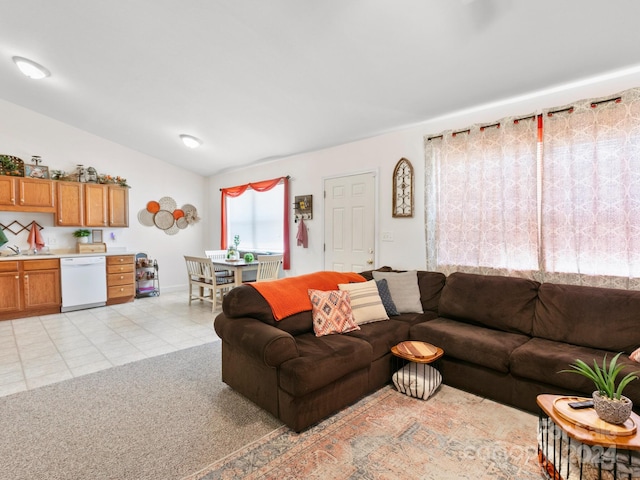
(349, 223)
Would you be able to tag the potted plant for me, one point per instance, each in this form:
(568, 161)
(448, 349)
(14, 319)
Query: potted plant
(8, 164)
(82, 235)
(608, 401)
(232, 252)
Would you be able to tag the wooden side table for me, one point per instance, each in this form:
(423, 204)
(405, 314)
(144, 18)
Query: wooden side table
(419, 355)
(585, 448)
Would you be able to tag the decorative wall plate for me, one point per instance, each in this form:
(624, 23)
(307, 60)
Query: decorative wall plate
(163, 219)
(167, 203)
(153, 206)
(145, 217)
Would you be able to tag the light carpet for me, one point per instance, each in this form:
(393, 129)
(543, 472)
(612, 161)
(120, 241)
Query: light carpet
(160, 418)
(387, 435)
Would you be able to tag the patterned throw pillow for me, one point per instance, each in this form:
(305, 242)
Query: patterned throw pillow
(366, 304)
(331, 311)
(385, 296)
(635, 356)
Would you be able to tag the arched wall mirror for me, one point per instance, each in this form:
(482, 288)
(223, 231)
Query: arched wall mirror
(403, 189)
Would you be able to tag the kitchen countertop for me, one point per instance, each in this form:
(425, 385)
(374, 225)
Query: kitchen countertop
(40, 256)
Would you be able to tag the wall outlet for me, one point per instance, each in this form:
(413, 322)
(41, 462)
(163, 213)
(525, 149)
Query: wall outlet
(387, 236)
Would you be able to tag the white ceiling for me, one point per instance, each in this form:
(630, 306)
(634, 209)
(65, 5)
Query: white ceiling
(260, 79)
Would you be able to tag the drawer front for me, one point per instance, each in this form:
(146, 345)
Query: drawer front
(119, 259)
(125, 278)
(112, 269)
(9, 266)
(48, 264)
(120, 291)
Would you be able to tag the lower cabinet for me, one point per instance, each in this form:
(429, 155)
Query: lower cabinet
(121, 287)
(29, 288)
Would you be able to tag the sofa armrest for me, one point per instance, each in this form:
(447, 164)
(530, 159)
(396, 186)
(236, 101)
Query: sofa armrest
(257, 339)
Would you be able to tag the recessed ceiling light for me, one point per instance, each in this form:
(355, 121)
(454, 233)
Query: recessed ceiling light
(30, 68)
(190, 141)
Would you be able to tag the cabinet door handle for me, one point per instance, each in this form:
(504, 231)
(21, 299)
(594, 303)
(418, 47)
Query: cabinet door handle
(17, 277)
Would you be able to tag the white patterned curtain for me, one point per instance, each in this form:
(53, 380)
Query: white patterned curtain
(591, 193)
(481, 199)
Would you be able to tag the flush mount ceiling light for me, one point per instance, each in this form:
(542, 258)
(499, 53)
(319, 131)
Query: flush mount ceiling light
(190, 141)
(30, 68)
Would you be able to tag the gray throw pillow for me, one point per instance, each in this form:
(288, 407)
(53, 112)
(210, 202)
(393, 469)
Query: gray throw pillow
(404, 290)
(387, 299)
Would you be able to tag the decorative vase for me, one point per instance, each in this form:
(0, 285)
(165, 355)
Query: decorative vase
(232, 254)
(610, 410)
(83, 239)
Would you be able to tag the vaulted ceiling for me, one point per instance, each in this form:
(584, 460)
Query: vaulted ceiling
(261, 79)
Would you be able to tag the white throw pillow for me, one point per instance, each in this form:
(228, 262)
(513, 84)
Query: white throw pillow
(366, 304)
(404, 290)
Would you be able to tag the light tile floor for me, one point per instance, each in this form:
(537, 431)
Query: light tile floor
(38, 351)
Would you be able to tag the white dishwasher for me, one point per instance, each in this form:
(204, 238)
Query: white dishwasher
(83, 282)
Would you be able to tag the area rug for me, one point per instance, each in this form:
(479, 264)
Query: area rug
(388, 435)
(156, 419)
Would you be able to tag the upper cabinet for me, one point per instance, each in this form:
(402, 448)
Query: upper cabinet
(70, 205)
(27, 194)
(96, 205)
(74, 204)
(7, 191)
(118, 206)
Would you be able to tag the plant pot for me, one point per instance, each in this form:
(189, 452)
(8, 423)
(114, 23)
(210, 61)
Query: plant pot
(610, 410)
(83, 239)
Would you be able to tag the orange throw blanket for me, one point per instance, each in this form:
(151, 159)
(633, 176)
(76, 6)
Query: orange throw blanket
(288, 296)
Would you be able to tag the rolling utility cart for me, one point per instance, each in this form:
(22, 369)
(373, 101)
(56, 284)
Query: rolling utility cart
(147, 280)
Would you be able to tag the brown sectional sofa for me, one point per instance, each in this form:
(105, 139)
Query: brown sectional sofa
(504, 338)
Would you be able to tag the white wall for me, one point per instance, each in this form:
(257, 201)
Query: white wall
(24, 133)
(381, 153)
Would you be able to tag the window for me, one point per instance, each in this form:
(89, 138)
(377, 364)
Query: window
(556, 201)
(257, 218)
(259, 213)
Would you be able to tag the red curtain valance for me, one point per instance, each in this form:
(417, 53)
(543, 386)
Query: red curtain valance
(262, 186)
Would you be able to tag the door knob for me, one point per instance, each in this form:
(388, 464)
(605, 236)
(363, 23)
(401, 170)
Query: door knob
(370, 262)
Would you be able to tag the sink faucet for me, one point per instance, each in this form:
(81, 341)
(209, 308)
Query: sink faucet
(15, 249)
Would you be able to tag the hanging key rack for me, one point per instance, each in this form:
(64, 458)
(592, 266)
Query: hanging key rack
(13, 227)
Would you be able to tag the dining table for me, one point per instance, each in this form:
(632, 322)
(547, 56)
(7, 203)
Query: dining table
(237, 267)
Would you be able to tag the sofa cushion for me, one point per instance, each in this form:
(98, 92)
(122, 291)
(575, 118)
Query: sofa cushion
(404, 290)
(541, 360)
(366, 304)
(385, 296)
(245, 301)
(603, 318)
(331, 311)
(415, 318)
(430, 285)
(321, 361)
(470, 343)
(382, 335)
(503, 303)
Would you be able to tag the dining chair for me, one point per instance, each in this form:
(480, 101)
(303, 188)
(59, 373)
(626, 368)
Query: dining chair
(202, 274)
(268, 267)
(220, 271)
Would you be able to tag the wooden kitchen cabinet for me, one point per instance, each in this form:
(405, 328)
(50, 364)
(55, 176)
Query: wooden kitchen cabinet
(29, 288)
(118, 206)
(120, 279)
(70, 205)
(25, 194)
(96, 205)
(10, 295)
(7, 190)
